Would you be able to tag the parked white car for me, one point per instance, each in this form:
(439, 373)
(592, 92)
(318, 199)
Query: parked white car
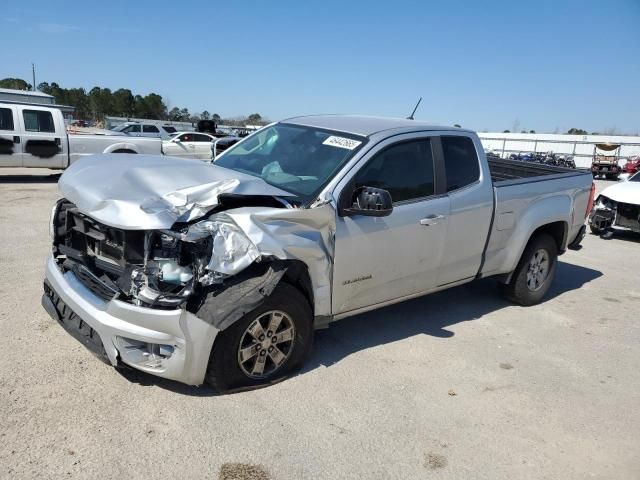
(617, 208)
(189, 145)
(137, 129)
(36, 136)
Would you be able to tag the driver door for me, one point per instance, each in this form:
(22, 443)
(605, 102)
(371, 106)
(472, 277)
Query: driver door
(381, 259)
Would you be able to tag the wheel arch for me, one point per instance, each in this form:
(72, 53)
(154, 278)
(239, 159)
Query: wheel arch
(121, 147)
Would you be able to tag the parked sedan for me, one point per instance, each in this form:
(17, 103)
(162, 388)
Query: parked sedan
(617, 208)
(189, 145)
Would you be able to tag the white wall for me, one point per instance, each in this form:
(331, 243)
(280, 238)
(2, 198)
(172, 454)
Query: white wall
(561, 144)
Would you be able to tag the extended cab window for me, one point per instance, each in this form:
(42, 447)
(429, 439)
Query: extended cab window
(150, 129)
(38, 121)
(405, 170)
(132, 129)
(460, 162)
(6, 119)
(169, 129)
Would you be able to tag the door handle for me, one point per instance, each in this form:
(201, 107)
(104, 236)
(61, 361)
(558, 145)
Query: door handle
(16, 139)
(431, 220)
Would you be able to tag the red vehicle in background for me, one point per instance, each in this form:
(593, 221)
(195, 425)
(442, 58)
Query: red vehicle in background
(632, 165)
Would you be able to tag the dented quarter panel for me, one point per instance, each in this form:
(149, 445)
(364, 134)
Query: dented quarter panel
(295, 234)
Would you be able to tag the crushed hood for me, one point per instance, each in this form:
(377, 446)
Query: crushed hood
(625, 192)
(144, 192)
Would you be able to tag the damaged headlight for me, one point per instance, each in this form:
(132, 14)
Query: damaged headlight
(231, 250)
(605, 203)
(175, 262)
(53, 219)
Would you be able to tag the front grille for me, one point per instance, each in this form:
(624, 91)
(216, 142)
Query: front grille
(628, 216)
(97, 254)
(92, 282)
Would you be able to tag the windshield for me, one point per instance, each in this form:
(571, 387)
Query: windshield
(298, 159)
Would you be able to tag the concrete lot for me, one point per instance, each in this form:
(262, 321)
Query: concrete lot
(457, 385)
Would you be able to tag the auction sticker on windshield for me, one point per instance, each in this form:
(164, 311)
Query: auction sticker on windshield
(342, 142)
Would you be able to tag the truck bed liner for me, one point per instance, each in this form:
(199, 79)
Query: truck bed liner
(511, 172)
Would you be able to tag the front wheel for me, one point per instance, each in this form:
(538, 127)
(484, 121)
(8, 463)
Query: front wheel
(265, 345)
(534, 274)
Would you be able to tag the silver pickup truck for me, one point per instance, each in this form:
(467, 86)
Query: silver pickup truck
(220, 272)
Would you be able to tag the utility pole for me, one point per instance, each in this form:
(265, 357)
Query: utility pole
(33, 72)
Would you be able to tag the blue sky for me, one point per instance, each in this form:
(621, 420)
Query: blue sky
(485, 65)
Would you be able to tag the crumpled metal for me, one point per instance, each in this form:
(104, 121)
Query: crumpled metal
(244, 235)
(232, 249)
(149, 192)
(307, 235)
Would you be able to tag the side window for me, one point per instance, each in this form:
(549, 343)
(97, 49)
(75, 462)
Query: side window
(150, 129)
(38, 121)
(202, 138)
(6, 119)
(404, 169)
(132, 129)
(460, 162)
(186, 137)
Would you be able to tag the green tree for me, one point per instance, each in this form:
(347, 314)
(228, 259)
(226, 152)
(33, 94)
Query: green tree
(174, 114)
(205, 115)
(456, 125)
(576, 131)
(254, 118)
(506, 131)
(124, 103)
(156, 109)
(15, 83)
(532, 131)
(216, 117)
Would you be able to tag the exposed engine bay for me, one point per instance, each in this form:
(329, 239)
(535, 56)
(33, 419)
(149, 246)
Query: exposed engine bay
(152, 268)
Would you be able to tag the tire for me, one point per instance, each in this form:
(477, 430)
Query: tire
(227, 373)
(519, 289)
(596, 230)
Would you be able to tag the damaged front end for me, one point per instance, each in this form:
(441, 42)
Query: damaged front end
(608, 214)
(150, 268)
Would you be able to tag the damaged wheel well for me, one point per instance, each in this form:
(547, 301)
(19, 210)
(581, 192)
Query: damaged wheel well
(222, 305)
(297, 275)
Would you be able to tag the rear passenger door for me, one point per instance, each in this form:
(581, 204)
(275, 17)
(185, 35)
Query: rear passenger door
(10, 146)
(470, 194)
(44, 138)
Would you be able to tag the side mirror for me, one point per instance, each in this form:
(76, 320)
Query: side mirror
(177, 140)
(371, 202)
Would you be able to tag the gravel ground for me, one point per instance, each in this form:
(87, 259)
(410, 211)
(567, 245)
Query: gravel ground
(456, 385)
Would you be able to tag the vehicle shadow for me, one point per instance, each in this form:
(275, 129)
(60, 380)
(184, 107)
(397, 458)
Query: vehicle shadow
(428, 315)
(623, 235)
(50, 178)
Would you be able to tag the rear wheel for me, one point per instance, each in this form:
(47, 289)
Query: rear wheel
(265, 345)
(596, 230)
(534, 274)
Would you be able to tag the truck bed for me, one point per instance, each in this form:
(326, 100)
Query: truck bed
(512, 172)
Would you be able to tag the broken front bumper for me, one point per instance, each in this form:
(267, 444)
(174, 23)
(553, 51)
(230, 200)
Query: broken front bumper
(173, 344)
